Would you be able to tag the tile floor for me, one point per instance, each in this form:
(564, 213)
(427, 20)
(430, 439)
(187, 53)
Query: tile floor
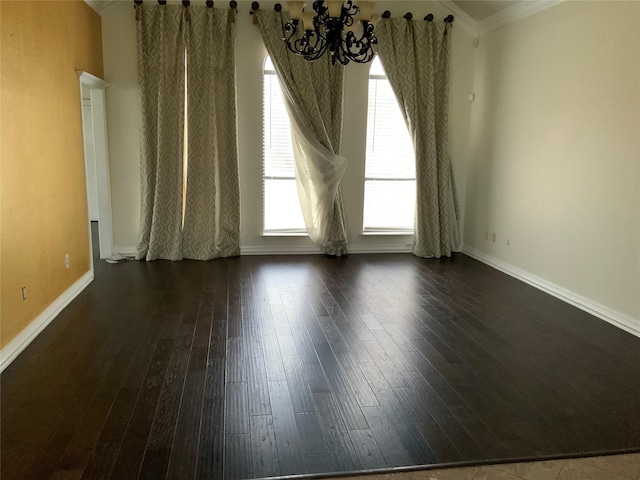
(614, 467)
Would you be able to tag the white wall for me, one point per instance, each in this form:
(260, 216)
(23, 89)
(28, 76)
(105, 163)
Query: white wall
(123, 121)
(89, 155)
(556, 143)
(120, 64)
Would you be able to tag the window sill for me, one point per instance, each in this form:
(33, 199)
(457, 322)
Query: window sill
(284, 234)
(383, 233)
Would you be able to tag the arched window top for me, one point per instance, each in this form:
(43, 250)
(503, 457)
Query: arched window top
(389, 186)
(268, 65)
(376, 69)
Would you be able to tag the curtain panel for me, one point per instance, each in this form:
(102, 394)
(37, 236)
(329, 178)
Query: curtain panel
(415, 57)
(312, 93)
(198, 218)
(161, 44)
(212, 211)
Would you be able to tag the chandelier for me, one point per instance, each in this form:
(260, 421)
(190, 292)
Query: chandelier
(344, 29)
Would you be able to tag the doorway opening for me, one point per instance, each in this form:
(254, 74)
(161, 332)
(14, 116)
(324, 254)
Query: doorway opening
(94, 129)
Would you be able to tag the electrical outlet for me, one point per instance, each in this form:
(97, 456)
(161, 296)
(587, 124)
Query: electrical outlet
(493, 237)
(508, 242)
(66, 261)
(408, 245)
(24, 293)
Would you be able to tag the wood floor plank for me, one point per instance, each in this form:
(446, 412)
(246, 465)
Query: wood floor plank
(357, 381)
(264, 452)
(261, 366)
(341, 451)
(301, 398)
(392, 374)
(236, 369)
(75, 435)
(273, 359)
(385, 435)
(183, 459)
(311, 436)
(237, 465)
(354, 332)
(108, 444)
(290, 455)
(236, 409)
(386, 396)
(134, 443)
(367, 449)
(347, 402)
(210, 462)
(316, 379)
(454, 438)
(257, 387)
(160, 442)
(304, 346)
(416, 445)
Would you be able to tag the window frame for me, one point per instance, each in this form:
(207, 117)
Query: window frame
(382, 230)
(280, 232)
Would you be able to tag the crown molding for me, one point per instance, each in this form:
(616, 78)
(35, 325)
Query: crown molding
(95, 5)
(103, 6)
(515, 13)
(461, 17)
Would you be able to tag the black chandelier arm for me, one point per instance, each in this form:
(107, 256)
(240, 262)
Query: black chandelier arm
(309, 45)
(351, 10)
(320, 8)
(360, 49)
(337, 34)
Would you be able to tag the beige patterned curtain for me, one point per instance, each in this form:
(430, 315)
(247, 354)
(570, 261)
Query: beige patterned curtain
(161, 46)
(415, 57)
(312, 92)
(212, 213)
(196, 43)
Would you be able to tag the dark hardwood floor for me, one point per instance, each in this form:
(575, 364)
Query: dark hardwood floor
(271, 366)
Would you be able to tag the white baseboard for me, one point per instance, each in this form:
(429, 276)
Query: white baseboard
(9, 353)
(380, 248)
(295, 250)
(279, 250)
(620, 320)
(314, 250)
(125, 251)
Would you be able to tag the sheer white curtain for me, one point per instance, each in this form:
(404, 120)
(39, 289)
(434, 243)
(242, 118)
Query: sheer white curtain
(312, 93)
(415, 57)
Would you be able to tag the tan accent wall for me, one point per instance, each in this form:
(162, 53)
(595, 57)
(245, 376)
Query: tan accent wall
(42, 175)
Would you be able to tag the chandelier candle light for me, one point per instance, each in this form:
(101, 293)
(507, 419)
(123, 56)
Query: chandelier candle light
(344, 29)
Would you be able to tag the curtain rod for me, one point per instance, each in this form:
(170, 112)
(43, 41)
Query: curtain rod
(387, 14)
(209, 3)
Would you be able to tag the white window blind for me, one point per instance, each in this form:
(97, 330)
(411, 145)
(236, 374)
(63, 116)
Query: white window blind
(282, 212)
(390, 178)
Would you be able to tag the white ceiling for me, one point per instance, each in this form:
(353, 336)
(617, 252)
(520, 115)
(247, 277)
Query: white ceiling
(480, 10)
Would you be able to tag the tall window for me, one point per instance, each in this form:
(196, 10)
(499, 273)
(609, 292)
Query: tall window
(282, 212)
(390, 172)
